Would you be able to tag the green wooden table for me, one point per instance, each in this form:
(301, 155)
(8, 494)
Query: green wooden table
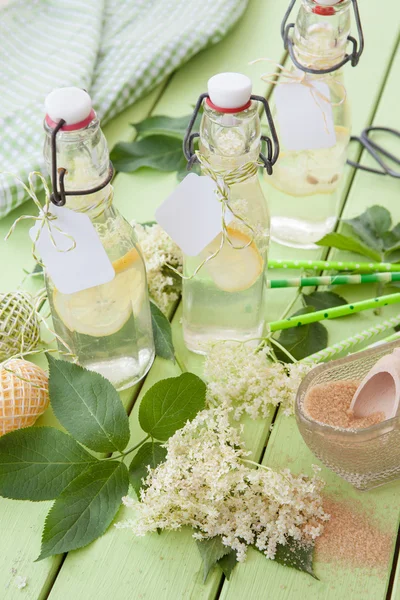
(168, 567)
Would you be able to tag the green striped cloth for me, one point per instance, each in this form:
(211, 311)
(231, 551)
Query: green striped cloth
(116, 49)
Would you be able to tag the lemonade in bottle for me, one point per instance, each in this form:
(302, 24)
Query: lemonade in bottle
(226, 297)
(106, 326)
(305, 185)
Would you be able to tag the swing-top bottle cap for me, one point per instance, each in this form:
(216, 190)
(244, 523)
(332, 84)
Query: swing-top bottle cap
(229, 92)
(71, 104)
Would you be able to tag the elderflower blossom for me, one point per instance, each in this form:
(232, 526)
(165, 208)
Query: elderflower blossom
(159, 250)
(247, 380)
(206, 484)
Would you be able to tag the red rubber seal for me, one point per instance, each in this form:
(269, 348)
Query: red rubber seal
(74, 126)
(228, 110)
(325, 11)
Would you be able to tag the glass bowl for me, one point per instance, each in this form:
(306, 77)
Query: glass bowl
(366, 458)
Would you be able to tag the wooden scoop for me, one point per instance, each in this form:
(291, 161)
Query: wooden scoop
(379, 391)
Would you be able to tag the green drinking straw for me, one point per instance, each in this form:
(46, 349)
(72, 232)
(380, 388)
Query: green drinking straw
(326, 265)
(333, 280)
(333, 313)
(354, 340)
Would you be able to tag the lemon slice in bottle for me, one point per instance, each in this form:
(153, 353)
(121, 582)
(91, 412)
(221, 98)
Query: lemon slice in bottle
(234, 270)
(103, 310)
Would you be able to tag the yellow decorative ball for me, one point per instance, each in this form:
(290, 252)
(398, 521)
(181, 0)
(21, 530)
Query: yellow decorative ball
(24, 394)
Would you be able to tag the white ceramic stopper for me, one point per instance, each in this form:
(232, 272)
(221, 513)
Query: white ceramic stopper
(70, 103)
(229, 90)
(327, 2)
(379, 391)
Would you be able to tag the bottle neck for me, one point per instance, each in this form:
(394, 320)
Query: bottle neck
(320, 35)
(230, 140)
(84, 155)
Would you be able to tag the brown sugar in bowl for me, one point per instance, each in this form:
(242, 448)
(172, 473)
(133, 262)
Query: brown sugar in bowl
(365, 457)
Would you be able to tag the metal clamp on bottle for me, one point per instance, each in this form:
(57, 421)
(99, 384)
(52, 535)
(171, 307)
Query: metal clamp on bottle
(376, 150)
(272, 145)
(354, 57)
(58, 197)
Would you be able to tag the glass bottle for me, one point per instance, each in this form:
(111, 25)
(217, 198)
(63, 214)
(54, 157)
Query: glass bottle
(108, 327)
(304, 188)
(226, 298)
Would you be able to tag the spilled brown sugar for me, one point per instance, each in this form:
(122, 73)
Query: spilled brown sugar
(353, 537)
(329, 403)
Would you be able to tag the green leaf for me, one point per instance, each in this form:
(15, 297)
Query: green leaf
(393, 257)
(167, 405)
(296, 555)
(322, 300)
(228, 563)
(37, 463)
(88, 406)
(371, 225)
(211, 551)
(162, 333)
(194, 169)
(157, 152)
(167, 126)
(151, 455)
(391, 239)
(85, 508)
(351, 244)
(304, 340)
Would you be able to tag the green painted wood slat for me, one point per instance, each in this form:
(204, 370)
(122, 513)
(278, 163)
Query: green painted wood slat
(151, 567)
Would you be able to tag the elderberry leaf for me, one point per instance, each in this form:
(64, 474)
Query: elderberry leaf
(151, 455)
(37, 463)
(85, 509)
(351, 244)
(228, 563)
(166, 126)
(304, 340)
(296, 555)
(322, 300)
(371, 225)
(156, 151)
(211, 552)
(162, 333)
(169, 403)
(88, 406)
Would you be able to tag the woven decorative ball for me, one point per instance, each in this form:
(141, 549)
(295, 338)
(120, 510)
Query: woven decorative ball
(24, 394)
(19, 324)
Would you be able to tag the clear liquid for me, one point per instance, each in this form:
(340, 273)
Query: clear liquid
(226, 298)
(108, 327)
(306, 183)
(211, 314)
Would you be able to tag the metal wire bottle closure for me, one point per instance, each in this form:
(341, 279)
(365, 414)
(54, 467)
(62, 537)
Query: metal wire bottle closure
(354, 57)
(272, 146)
(58, 197)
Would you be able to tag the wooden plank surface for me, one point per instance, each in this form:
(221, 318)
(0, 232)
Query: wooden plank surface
(168, 566)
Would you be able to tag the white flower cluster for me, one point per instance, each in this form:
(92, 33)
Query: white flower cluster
(247, 380)
(158, 250)
(205, 483)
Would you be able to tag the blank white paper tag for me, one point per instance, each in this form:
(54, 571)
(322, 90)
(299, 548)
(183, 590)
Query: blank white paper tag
(191, 215)
(86, 266)
(305, 118)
